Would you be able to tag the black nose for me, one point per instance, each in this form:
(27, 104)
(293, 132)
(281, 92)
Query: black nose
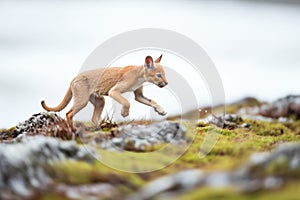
(166, 83)
(162, 84)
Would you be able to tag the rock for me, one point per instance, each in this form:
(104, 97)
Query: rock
(263, 171)
(212, 119)
(179, 182)
(218, 180)
(283, 107)
(47, 124)
(143, 138)
(281, 110)
(229, 121)
(233, 118)
(245, 125)
(269, 170)
(260, 118)
(26, 162)
(88, 191)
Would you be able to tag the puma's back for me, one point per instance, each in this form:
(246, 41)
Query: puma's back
(100, 81)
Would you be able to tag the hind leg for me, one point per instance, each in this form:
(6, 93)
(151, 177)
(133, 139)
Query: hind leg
(69, 116)
(81, 98)
(98, 103)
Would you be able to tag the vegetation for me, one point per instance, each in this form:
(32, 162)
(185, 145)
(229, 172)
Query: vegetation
(289, 191)
(233, 147)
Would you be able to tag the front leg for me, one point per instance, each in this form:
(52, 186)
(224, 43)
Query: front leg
(98, 102)
(116, 95)
(138, 93)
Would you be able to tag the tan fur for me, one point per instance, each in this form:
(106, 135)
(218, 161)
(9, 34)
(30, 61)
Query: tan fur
(92, 85)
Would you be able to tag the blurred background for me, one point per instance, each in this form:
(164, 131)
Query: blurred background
(255, 45)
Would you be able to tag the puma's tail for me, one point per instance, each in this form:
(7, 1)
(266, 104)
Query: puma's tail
(62, 105)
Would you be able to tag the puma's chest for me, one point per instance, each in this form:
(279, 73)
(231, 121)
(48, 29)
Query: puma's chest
(138, 83)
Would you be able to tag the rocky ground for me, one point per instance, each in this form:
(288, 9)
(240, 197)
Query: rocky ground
(255, 154)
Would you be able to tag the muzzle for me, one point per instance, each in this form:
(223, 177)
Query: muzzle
(162, 84)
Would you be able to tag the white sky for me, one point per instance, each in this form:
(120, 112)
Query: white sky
(255, 46)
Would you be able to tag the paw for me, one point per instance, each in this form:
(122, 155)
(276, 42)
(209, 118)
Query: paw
(125, 112)
(73, 128)
(98, 125)
(97, 121)
(160, 110)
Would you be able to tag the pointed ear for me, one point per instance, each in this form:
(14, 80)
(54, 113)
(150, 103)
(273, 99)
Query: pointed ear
(149, 62)
(158, 59)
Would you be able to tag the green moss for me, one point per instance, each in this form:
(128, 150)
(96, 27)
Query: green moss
(272, 129)
(77, 172)
(53, 195)
(233, 147)
(73, 172)
(210, 129)
(105, 129)
(278, 167)
(290, 191)
(294, 127)
(208, 193)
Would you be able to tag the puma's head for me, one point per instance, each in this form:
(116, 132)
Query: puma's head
(154, 72)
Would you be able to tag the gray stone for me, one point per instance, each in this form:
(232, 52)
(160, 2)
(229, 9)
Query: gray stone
(25, 163)
(283, 107)
(218, 179)
(179, 182)
(272, 183)
(229, 121)
(281, 110)
(88, 191)
(250, 177)
(47, 124)
(144, 137)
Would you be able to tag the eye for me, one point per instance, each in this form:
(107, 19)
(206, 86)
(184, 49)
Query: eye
(158, 75)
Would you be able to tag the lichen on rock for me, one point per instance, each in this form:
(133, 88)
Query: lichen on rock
(139, 138)
(47, 124)
(264, 171)
(26, 163)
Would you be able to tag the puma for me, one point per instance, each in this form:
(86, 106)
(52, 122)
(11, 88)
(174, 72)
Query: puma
(93, 85)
